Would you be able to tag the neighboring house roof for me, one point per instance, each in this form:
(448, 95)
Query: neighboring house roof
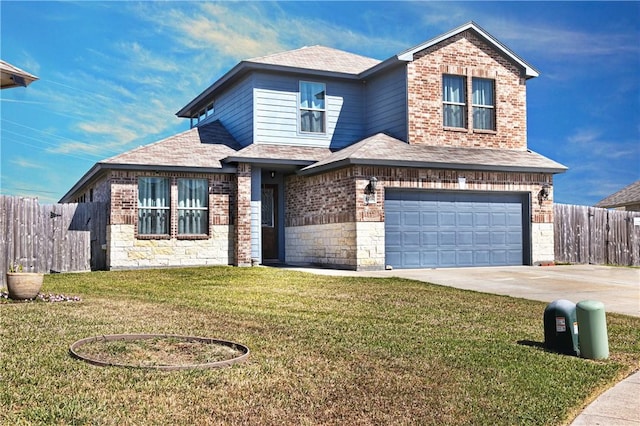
(326, 61)
(384, 150)
(12, 76)
(628, 195)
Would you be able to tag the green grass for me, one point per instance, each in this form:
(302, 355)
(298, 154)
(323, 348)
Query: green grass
(324, 350)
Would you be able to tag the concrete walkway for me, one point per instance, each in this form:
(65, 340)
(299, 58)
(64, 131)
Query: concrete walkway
(617, 288)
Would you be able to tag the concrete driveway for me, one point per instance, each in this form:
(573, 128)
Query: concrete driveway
(618, 288)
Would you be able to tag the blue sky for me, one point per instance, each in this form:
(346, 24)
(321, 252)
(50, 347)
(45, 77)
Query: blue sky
(113, 75)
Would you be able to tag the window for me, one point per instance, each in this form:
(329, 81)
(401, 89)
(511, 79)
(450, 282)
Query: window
(312, 107)
(267, 207)
(454, 101)
(483, 104)
(202, 115)
(193, 206)
(153, 206)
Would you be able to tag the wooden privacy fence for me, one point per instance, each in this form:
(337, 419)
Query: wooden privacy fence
(51, 237)
(597, 236)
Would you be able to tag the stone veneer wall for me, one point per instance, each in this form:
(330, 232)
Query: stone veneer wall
(126, 249)
(332, 244)
(467, 55)
(329, 223)
(542, 243)
(348, 245)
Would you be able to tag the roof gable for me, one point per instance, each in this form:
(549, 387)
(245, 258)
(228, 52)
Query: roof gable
(407, 55)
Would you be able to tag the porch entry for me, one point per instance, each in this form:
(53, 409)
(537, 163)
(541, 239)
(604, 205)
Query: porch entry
(269, 215)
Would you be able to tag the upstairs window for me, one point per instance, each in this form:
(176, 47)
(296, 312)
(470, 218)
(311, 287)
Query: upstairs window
(454, 101)
(153, 206)
(193, 208)
(484, 111)
(312, 107)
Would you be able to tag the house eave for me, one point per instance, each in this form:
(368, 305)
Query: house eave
(388, 63)
(268, 161)
(100, 168)
(92, 174)
(428, 165)
(244, 67)
(529, 71)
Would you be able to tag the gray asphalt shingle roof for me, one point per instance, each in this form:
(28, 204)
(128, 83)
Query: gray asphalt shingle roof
(630, 194)
(203, 146)
(320, 58)
(384, 150)
(283, 153)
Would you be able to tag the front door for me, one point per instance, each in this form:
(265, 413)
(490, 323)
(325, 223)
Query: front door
(269, 222)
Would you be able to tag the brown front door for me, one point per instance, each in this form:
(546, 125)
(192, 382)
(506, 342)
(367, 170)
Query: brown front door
(269, 222)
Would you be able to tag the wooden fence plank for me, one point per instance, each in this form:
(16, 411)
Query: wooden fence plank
(593, 235)
(51, 237)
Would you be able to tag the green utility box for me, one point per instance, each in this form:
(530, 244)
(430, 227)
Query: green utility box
(561, 327)
(594, 342)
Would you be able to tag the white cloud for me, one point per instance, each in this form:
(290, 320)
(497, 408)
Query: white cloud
(27, 164)
(563, 42)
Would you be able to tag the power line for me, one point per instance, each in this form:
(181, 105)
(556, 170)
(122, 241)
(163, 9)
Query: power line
(38, 130)
(44, 149)
(22, 102)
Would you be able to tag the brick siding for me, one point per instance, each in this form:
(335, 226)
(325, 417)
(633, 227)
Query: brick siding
(242, 240)
(338, 196)
(466, 55)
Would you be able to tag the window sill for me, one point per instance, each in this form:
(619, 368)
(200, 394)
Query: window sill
(153, 237)
(455, 129)
(485, 132)
(193, 237)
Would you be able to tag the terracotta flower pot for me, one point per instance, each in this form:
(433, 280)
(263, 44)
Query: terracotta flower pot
(24, 285)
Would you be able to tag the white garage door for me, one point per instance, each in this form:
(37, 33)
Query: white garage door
(442, 229)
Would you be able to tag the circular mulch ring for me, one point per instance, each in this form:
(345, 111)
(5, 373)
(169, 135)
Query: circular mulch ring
(158, 351)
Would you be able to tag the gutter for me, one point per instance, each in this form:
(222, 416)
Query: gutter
(101, 168)
(311, 170)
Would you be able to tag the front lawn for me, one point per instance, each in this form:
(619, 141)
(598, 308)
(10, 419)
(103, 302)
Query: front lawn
(324, 350)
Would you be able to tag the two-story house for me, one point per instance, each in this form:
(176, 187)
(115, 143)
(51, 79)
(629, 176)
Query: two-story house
(318, 156)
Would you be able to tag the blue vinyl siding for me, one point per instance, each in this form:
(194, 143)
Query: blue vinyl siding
(263, 108)
(276, 111)
(234, 108)
(387, 104)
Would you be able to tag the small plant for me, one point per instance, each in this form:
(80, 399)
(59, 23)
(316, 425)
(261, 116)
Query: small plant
(15, 267)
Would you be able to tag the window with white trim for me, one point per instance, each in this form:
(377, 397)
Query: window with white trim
(312, 107)
(193, 207)
(454, 101)
(483, 102)
(153, 206)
